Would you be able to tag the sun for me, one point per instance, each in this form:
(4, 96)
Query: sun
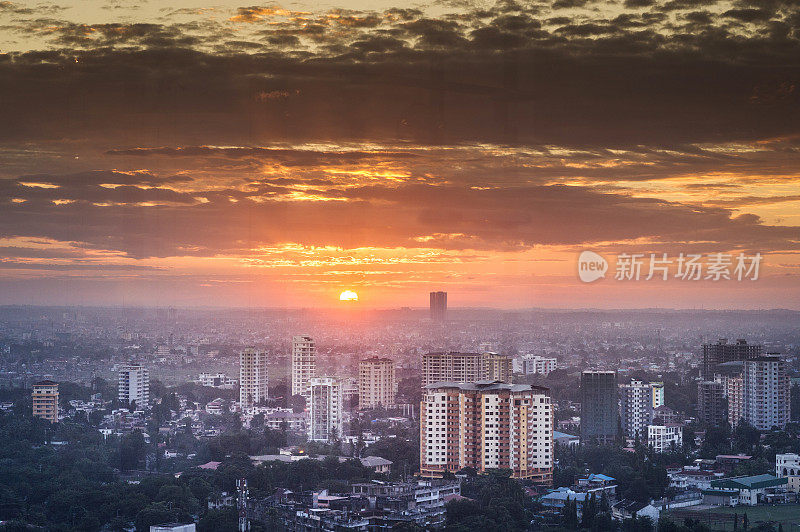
(348, 295)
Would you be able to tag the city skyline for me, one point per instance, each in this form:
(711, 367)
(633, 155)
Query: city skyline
(235, 155)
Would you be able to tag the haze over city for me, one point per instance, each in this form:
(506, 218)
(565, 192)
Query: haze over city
(276, 156)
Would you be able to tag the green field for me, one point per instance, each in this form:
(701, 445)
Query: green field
(721, 518)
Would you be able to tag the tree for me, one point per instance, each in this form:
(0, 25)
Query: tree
(132, 450)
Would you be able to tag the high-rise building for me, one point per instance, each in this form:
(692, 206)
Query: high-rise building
(134, 385)
(496, 367)
(253, 378)
(487, 425)
(722, 351)
(734, 391)
(304, 364)
(635, 408)
(451, 367)
(711, 406)
(538, 365)
(599, 406)
(325, 416)
(438, 306)
(376, 383)
(766, 392)
(657, 393)
(45, 400)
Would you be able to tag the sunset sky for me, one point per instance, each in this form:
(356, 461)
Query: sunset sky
(275, 155)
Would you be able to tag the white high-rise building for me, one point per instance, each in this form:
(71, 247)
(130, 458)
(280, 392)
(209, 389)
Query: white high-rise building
(325, 416)
(766, 392)
(304, 365)
(538, 365)
(376, 383)
(253, 377)
(635, 408)
(134, 385)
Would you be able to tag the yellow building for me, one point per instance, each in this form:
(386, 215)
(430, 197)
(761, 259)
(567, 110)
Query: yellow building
(45, 400)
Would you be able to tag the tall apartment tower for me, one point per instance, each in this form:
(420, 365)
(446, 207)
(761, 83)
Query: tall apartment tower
(134, 385)
(766, 392)
(657, 393)
(45, 400)
(451, 367)
(722, 351)
(438, 306)
(253, 378)
(304, 365)
(325, 417)
(496, 367)
(376, 383)
(599, 406)
(734, 391)
(486, 425)
(635, 408)
(711, 406)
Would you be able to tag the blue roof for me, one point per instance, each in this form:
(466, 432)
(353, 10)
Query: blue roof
(600, 477)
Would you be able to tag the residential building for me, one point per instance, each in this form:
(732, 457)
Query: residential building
(538, 365)
(45, 400)
(451, 367)
(304, 365)
(496, 367)
(253, 378)
(487, 425)
(376, 383)
(134, 385)
(734, 392)
(438, 306)
(711, 406)
(599, 406)
(657, 393)
(788, 466)
(664, 438)
(628, 508)
(635, 408)
(722, 351)
(325, 411)
(216, 380)
(766, 392)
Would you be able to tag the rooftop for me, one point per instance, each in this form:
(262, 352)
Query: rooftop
(486, 386)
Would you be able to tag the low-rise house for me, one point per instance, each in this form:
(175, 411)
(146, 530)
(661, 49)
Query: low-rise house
(626, 509)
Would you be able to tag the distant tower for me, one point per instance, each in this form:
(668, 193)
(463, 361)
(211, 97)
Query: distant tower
(45, 400)
(304, 365)
(253, 377)
(376, 383)
(241, 503)
(599, 406)
(134, 385)
(766, 392)
(438, 306)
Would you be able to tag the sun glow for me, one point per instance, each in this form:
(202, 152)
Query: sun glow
(348, 295)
